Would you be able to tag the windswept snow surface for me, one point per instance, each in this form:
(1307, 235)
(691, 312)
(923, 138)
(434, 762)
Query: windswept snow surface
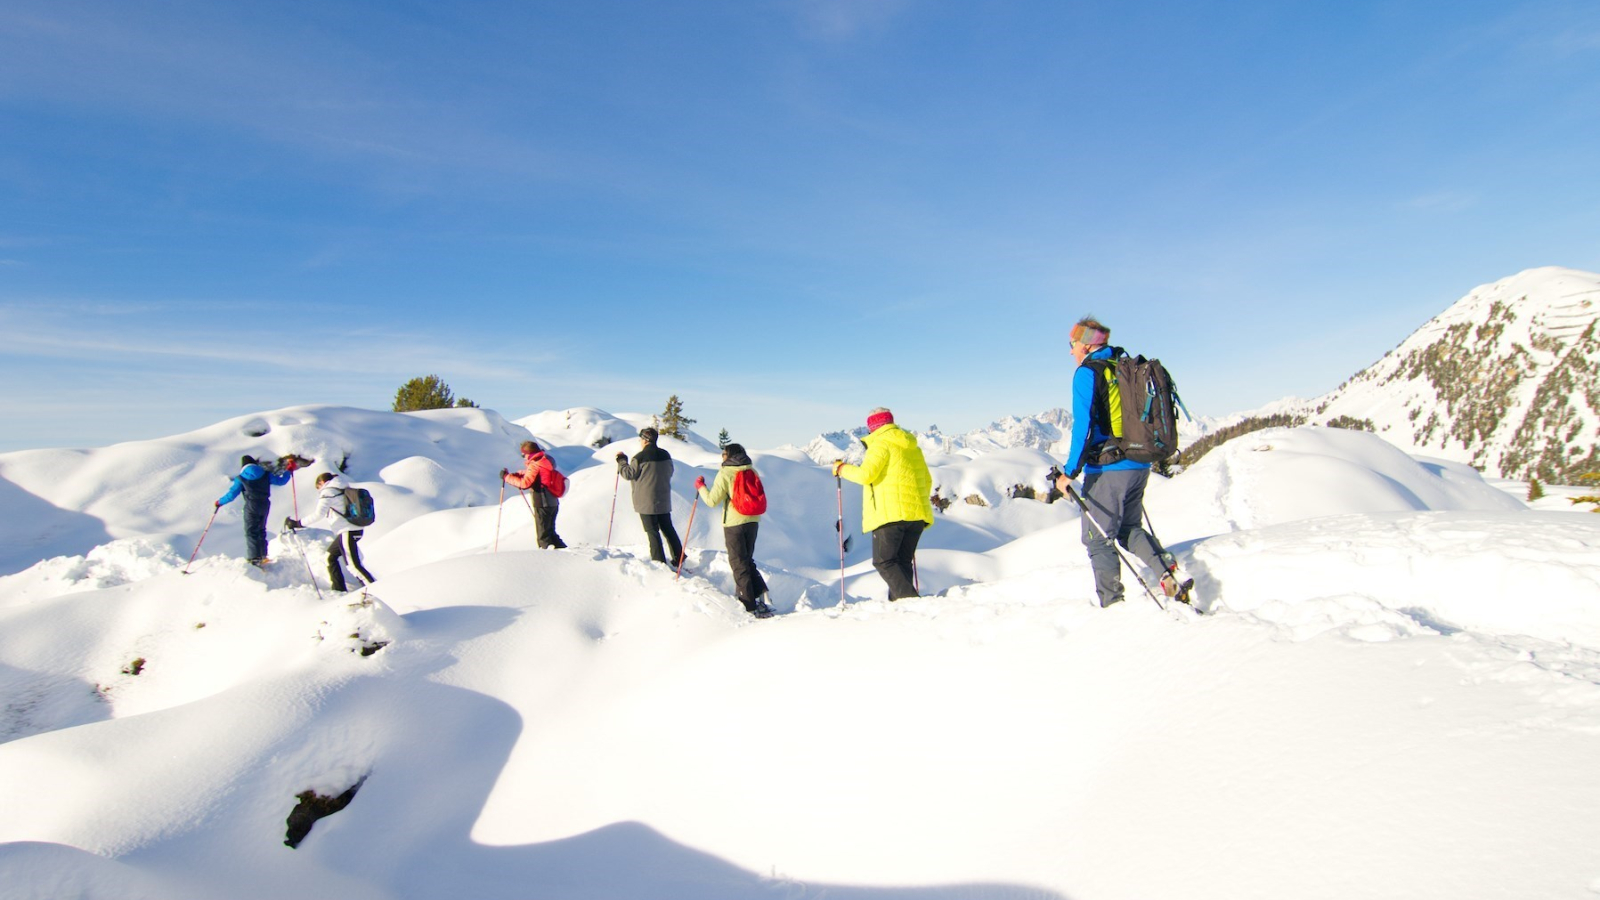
(1395, 691)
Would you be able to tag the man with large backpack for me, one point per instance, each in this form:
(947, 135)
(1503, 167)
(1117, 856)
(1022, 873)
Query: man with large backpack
(350, 510)
(1113, 482)
(740, 488)
(255, 482)
(541, 478)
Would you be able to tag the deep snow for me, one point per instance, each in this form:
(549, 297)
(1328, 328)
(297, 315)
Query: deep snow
(1395, 691)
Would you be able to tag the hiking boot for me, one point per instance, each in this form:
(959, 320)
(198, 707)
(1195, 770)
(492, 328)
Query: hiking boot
(1175, 589)
(763, 609)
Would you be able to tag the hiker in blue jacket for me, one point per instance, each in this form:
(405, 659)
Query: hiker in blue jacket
(1113, 487)
(255, 482)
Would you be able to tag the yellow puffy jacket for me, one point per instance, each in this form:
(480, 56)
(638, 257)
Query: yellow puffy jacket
(898, 486)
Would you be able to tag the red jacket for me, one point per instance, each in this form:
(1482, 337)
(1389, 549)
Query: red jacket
(532, 478)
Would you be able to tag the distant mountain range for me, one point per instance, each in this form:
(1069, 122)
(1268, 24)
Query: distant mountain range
(1507, 379)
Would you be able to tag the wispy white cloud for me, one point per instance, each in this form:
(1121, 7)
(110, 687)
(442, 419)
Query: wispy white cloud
(101, 335)
(1575, 42)
(842, 20)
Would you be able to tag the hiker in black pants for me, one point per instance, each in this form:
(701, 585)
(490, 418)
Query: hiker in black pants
(650, 471)
(738, 529)
(334, 504)
(538, 469)
(255, 482)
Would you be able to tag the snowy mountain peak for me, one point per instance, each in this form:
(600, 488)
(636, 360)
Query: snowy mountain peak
(1507, 379)
(1049, 431)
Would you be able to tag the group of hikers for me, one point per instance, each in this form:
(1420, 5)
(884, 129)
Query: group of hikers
(334, 504)
(896, 505)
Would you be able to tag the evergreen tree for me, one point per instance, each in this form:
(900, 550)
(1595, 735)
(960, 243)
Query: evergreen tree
(723, 440)
(673, 423)
(1535, 490)
(429, 392)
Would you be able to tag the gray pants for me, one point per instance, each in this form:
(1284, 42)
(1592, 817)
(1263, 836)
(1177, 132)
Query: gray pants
(1116, 503)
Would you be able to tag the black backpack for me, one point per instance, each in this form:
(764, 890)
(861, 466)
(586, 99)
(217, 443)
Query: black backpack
(1136, 402)
(359, 509)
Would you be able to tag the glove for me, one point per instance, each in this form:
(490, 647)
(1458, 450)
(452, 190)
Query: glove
(294, 524)
(622, 457)
(700, 482)
(291, 464)
(216, 504)
(504, 473)
(837, 465)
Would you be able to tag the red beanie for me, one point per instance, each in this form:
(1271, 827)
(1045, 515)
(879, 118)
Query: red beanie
(879, 418)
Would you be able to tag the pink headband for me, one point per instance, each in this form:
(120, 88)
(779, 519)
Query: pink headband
(877, 420)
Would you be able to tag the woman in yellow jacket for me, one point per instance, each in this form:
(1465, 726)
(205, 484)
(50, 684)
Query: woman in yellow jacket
(896, 504)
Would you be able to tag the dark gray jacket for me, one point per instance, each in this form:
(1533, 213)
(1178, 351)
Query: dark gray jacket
(650, 470)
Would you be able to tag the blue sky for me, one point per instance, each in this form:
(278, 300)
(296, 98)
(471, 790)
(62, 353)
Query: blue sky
(784, 211)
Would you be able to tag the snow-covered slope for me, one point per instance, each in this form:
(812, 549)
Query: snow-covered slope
(1507, 379)
(1396, 692)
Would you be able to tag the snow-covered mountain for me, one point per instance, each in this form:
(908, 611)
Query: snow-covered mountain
(1507, 379)
(1048, 432)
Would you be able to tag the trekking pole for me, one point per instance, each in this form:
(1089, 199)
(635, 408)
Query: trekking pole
(839, 489)
(530, 505)
(1120, 555)
(615, 484)
(687, 534)
(295, 536)
(214, 511)
(294, 494)
(1181, 588)
(497, 511)
(1167, 559)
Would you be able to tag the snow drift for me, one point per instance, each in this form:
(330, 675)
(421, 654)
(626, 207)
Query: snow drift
(1395, 691)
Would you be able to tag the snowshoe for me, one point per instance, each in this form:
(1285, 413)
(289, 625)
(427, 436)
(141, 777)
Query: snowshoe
(1177, 590)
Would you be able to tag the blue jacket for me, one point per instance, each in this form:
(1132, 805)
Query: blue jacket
(1086, 432)
(252, 473)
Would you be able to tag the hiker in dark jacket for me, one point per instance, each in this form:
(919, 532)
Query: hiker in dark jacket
(738, 531)
(538, 469)
(650, 471)
(255, 482)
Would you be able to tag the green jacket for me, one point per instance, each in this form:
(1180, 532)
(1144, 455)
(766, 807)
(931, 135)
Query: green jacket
(721, 492)
(898, 486)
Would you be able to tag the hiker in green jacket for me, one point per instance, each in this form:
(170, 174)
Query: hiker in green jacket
(743, 500)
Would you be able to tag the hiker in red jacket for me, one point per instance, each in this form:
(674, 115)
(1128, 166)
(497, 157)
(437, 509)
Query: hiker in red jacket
(540, 471)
